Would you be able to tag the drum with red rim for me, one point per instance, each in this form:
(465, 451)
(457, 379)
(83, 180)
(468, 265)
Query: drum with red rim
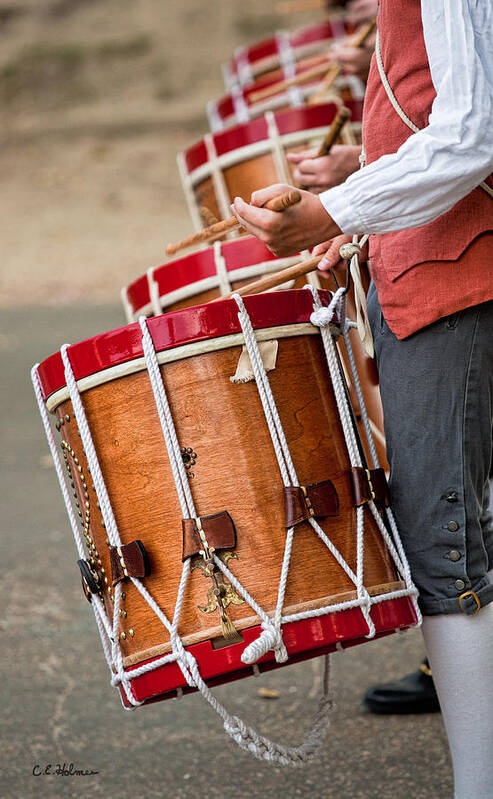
(283, 50)
(201, 276)
(242, 159)
(243, 505)
(238, 107)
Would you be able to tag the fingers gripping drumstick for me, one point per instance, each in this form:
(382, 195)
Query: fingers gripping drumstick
(360, 38)
(279, 204)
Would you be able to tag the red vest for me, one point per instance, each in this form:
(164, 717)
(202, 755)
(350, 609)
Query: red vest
(429, 272)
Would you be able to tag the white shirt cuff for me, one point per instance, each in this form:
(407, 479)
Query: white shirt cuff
(338, 205)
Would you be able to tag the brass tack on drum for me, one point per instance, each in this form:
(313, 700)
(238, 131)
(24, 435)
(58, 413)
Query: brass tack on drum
(123, 636)
(67, 417)
(131, 632)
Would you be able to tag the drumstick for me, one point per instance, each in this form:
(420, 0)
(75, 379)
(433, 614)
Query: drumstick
(334, 72)
(332, 134)
(282, 85)
(315, 72)
(279, 204)
(276, 279)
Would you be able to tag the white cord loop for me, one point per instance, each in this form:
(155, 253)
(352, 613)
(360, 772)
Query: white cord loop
(346, 251)
(323, 316)
(270, 638)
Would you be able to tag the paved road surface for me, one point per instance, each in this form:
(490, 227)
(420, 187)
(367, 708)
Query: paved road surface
(57, 704)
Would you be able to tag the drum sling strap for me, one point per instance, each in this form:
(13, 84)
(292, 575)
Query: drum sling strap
(271, 637)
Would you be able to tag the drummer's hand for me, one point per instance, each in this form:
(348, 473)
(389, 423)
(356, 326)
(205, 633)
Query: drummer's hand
(297, 228)
(359, 11)
(353, 60)
(330, 250)
(320, 174)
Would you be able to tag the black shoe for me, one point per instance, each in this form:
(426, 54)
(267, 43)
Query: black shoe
(414, 693)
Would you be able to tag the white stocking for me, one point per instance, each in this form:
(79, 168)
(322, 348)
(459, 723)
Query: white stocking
(460, 650)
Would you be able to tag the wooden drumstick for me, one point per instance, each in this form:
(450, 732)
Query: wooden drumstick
(334, 72)
(276, 279)
(279, 204)
(281, 86)
(332, 134)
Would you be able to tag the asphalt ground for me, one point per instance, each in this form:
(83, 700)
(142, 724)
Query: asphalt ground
(58, 706)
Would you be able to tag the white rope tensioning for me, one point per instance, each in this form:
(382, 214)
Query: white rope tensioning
(244, 735)
(322, 317)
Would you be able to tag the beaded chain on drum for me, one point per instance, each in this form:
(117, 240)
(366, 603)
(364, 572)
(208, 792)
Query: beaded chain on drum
(271, 637)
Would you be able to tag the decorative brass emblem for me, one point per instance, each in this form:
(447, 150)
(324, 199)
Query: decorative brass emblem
(189, 458)
(221, 594)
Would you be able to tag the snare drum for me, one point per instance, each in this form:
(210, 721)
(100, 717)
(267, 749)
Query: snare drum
(248, 157)
(243, 507)
(201, 276)
(283, 50)
(237, 107)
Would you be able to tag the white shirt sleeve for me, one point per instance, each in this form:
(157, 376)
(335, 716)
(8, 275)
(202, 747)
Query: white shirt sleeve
(441, 164)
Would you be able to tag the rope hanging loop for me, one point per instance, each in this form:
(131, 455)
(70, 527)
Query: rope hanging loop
(348, 250)
(269, 638)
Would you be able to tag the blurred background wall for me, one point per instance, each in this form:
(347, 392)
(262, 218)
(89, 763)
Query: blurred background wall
(96, 99)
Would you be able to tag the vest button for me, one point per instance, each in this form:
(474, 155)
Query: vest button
(460, 585)
(454, 555)
(452, 496)
(452, 526)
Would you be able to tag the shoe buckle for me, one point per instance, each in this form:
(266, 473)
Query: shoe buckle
(476, 599)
